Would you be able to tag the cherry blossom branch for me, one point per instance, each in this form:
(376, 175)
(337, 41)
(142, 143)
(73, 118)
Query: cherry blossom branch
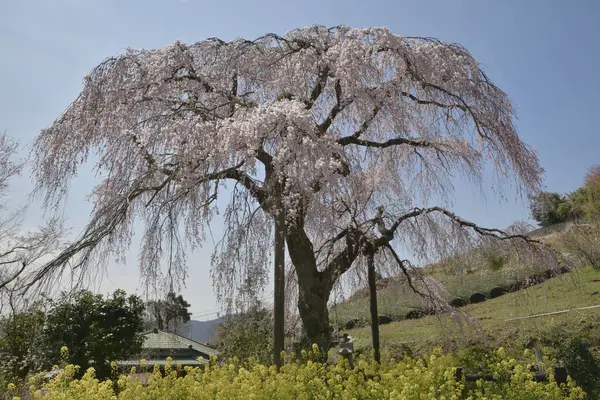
(347, 140)
(402, 264)
(356, 236)
(110, 217)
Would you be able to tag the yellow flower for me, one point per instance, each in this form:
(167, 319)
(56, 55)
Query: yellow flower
(429, 378)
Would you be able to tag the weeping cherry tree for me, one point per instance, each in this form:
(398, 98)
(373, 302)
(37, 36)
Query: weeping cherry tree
(355, 135)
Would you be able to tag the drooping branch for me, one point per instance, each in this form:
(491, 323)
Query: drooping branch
(405, 267)
(357, 236)
(108, 219)
(463, 106)
(103, 226)
(7, 281)
(491, 232)
(245, 180)
(411, 96)
(364, 126)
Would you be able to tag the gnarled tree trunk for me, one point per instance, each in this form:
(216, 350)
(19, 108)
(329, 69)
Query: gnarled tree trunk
(314, 285)
(313, 295)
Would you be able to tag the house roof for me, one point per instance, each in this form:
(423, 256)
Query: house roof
(151, 363)
(157, 339)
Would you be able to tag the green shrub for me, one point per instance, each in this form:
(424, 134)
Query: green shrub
(573, 352)
(581, 364)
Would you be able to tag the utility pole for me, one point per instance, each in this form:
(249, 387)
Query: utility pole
(279, 283)
(373, 304)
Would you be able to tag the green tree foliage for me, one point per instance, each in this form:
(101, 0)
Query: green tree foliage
(549, 208)
(169, 314)
(591, 203)
(584, 239)
(583, 366)
(571, 206)
(20, 342)
(247, 335)
(545, 208)
(581, 206)
(95, 328)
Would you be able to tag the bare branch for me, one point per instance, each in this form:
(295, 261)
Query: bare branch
(339, 106)
(319, 86)
(347, 140)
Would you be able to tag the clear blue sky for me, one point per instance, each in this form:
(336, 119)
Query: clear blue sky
(544, 54)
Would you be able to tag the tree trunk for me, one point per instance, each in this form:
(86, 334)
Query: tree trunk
(279, 287)
(314, 286)
(373, 306)
(313, 295)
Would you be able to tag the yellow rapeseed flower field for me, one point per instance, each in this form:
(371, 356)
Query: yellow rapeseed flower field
(431, 377)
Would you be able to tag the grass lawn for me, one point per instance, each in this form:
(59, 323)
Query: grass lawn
(573, 290)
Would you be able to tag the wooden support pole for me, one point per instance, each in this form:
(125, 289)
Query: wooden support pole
(279, 286)
(373, 306)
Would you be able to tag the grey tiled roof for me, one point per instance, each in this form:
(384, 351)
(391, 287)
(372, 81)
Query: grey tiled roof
(170, 341)
(151, 363)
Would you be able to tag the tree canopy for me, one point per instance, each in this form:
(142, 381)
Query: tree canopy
(549, 208)
(21, 342)
(357, 133)
(168, 314)
(591, 207)
(94, 328)
(246, 335)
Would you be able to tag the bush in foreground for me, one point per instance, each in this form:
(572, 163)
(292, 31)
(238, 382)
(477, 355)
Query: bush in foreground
(432, 377)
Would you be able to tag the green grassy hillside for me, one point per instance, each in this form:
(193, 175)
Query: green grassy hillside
(572, 290)
(397, 298)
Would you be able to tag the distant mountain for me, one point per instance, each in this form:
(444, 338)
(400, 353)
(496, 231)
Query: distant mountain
(200, 331)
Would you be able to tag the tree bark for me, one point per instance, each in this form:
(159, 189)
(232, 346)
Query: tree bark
(279, 286)
(313, 295)
(373, 306)
(314, 287)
